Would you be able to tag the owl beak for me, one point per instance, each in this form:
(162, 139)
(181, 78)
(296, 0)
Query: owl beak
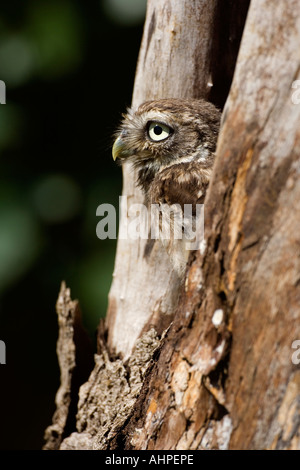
(119, 149)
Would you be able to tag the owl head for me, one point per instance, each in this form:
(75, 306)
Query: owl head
(162, 133)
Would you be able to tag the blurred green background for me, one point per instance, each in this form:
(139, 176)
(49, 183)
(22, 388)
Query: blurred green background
(69, 70)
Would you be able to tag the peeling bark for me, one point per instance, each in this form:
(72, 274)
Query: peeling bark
(74, 352)
(108, 398)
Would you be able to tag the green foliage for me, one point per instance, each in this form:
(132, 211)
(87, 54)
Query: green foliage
(20, 242)
(55, 32)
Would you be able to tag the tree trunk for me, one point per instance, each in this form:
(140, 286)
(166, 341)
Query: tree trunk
(179, 57)
(222, 374)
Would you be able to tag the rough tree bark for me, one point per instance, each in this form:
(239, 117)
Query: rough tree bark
(211, 368)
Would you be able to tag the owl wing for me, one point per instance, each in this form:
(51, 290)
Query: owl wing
(173, 188)
(183, 183)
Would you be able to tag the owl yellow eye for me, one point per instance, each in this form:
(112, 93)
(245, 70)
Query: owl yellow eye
(158, 131)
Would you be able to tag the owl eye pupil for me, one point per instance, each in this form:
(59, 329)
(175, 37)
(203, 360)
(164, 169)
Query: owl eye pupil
(157, 130)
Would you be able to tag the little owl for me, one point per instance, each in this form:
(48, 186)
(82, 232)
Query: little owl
(171, 144)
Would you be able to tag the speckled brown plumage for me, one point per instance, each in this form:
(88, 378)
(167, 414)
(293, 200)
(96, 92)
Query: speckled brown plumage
(171, 143)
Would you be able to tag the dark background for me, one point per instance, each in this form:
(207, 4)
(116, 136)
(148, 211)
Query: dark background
(69, 70)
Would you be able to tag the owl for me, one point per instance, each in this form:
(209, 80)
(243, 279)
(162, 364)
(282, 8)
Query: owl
(171, 144)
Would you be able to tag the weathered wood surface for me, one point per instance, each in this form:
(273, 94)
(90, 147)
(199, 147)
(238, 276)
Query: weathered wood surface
(74, 352)
(225, 377)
